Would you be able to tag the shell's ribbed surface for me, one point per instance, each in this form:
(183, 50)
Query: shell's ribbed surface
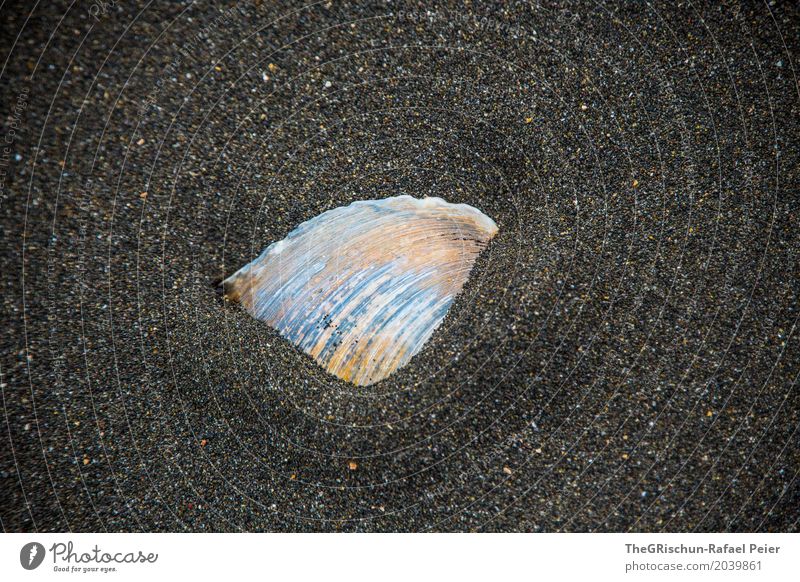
(361, 288)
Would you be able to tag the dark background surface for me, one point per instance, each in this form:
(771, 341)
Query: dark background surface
(625, 356)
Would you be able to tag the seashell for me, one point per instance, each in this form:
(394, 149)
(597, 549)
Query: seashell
(361, 288)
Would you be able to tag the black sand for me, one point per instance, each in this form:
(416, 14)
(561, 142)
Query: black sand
(625, 356)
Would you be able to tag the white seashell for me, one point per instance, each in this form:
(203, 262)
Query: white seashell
(362, 287)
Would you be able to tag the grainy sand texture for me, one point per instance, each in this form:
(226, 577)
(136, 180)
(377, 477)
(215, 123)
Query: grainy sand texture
(624, 356)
